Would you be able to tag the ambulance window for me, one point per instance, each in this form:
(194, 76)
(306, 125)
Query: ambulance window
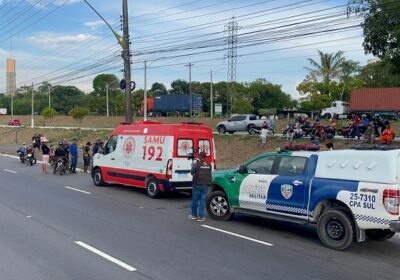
(204, 146)
(290, 166)
(185, 147)
(261, 166)
(111, 144)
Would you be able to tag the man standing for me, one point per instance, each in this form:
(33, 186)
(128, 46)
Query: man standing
(73, 150)
(201, 171)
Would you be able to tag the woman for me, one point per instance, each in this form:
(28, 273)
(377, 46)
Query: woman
(86, 157)
(45, 155)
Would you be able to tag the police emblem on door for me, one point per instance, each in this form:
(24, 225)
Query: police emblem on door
(287, 191)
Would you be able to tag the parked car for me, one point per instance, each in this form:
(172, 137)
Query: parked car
(240, 123)
(14, 122)
(348, 194)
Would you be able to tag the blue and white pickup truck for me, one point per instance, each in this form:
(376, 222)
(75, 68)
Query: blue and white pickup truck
(349, 194)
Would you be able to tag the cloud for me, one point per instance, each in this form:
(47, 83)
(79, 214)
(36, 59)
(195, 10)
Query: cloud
(52, 40)
(98, 23)
(44, 4)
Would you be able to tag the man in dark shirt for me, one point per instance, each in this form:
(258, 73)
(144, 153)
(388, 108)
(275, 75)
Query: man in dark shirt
(201, 171)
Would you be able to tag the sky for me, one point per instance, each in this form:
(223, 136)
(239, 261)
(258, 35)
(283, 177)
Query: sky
(64, 42)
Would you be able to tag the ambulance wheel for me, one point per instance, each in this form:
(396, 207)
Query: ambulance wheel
(152, 188)
(98, 177)
(221, 129)
(335, 229)
(218, 206)
(379, 234)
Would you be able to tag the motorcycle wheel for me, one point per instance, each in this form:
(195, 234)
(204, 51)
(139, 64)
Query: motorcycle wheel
(22, 159)
(31, 161)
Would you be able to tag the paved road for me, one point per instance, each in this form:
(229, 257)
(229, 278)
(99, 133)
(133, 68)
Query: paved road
(49, 231)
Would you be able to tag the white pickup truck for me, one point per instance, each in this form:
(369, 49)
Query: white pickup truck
(239, 123)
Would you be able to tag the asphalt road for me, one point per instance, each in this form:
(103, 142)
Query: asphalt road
(63, 227)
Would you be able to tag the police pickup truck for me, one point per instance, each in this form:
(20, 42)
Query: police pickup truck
(348, 194)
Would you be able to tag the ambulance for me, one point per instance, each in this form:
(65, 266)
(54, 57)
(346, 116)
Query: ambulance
(153, 155)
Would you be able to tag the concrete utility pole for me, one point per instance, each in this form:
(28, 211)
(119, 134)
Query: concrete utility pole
(32, 116)
(190, 90)
(145, 92)
(211, 97)
(12, 103)
(49, 96)
(127, 61)
(108, 112)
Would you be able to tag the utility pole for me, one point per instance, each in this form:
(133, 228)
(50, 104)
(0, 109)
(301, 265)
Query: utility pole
(126, 55)
(211, 97)
(145, 92)
(49, 96)
(32, 107)
(108, 112)
(190, 90)
(12, 103)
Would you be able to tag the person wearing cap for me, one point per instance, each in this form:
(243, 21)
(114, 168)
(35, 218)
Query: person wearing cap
(45, 155)
(86, 157)
(73, 151)
(201, 171)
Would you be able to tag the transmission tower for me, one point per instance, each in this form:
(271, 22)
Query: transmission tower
(231, 31)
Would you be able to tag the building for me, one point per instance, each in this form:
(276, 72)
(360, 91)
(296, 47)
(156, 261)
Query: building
(11, 76)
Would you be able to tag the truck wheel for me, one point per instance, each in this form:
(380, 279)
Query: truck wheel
(218, 206)
(379, 234)
(98, 177)
(327, 116)
(335, 229)
(152, 188)
(221, 129)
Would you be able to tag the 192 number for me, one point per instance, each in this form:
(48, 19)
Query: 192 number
(149, 152)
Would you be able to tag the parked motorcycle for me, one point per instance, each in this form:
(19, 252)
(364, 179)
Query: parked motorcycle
(30, 158)
(21, 154)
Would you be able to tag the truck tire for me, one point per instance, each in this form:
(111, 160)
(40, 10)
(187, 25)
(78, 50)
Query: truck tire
(152, 188)
(327, 116)
(97, 177)
(336, 229)
(221, 129)
(218, 206)
(379, 234)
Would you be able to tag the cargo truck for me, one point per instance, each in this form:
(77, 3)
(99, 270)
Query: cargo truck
(370, 101)
(162, 105)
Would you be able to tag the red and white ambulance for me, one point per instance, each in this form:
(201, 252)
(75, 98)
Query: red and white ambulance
(152, 155)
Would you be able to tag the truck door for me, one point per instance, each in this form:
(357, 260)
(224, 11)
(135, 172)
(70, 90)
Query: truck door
(288, 193)
(254, 184)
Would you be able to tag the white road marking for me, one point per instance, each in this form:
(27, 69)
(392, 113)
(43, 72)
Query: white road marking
(77, 190)
(238, 235)
(29, 217)
(10, 171)
(106, 256)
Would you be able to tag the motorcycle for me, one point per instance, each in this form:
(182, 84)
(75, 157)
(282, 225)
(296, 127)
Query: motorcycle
(60, 166)
(30, 158)
(21, 154)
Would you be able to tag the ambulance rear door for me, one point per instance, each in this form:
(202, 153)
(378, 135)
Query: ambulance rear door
(181, 164)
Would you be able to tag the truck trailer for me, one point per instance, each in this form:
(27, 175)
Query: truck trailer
(173, 103)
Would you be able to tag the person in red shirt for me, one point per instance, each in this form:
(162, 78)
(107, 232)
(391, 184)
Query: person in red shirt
(355, 128)
(387, 135)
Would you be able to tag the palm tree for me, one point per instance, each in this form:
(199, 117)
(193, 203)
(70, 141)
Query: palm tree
(329, 67)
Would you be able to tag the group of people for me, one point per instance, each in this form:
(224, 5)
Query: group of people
(363, 128)
(69, 153)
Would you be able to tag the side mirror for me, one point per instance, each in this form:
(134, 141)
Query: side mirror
(242, 169)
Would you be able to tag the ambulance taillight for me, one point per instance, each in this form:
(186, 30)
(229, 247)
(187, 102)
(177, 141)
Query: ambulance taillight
(169, 169)
(391, 200)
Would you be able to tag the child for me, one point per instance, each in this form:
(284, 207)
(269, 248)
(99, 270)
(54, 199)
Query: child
(263, 135)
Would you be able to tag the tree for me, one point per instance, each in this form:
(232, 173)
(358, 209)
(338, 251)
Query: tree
(328, 68)
(379, 74)
(78, 113)
(48, 114)
(179, 87)
(381, 30)
(242, 106)
(64, 98)
(100, 81)
(159, 89)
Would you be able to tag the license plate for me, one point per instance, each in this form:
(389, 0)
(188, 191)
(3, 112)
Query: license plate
(182, 175)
